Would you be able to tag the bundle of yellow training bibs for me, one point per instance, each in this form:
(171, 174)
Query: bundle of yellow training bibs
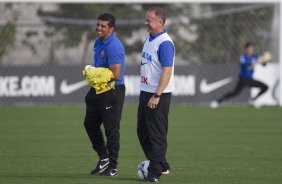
(99, 78)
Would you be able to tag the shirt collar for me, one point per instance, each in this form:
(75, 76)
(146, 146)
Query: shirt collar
(108, 40)
(157, 34)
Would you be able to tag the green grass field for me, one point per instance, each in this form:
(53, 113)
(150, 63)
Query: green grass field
(48, 144)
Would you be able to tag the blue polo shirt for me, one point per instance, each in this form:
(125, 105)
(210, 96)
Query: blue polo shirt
(247, 65)
(166, 50)
(110, 52)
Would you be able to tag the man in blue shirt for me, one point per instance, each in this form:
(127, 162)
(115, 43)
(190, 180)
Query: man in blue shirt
(247, 62)
(106, 108)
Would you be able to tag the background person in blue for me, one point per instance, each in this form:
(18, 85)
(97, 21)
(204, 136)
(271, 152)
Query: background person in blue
(247, 62)
(106, 108)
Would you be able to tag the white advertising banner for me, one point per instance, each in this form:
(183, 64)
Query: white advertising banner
(269, 75)
(195, 84)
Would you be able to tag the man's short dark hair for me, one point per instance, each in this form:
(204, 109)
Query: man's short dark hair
(108, 17)
(249, 44)
(159, 12)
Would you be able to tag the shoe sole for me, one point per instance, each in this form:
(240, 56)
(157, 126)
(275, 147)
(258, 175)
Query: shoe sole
(147, 181)
(110, 176)
(99, 172)
(166, 172)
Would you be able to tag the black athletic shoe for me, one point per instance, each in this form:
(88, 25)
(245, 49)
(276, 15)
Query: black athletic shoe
(110, 172)
(102, 165)
(166, 168)
(151, 179)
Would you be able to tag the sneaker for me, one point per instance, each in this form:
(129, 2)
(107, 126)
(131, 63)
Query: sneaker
(102, 165)
(110, 172)
(253, 103)
(151, 179)
(166, 168)
(214, 104)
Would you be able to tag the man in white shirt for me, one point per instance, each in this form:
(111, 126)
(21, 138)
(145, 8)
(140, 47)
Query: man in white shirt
(157, 83)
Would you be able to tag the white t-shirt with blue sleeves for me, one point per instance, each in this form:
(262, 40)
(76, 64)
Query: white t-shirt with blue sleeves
(158, 52)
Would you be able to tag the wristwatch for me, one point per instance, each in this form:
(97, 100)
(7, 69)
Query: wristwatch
(156, 95)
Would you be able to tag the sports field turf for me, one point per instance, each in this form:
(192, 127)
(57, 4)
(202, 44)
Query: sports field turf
(48, 144)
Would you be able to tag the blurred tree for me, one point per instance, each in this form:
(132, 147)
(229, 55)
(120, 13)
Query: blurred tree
(223, 35)
(7, 37)
(202, 33)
